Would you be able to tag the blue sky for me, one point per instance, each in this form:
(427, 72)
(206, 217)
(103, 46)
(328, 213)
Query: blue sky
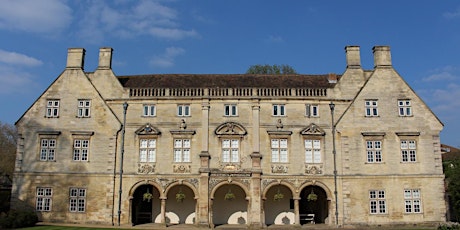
(221, 36)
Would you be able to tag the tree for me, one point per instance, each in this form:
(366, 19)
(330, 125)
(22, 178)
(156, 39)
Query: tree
(452, 172)
(271, 69)
(8, 138)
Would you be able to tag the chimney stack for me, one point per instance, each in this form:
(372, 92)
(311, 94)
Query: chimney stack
(382, 56)
(353, 57)
(105, 58)
(75, 58)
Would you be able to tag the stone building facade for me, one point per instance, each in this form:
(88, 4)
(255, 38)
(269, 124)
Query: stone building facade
(360, 148)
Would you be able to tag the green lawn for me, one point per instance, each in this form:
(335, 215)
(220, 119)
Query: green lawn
(65, 228)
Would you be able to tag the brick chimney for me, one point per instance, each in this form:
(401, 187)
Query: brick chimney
(105, 58)
(353, 57)
(382, 56)
(75, 58)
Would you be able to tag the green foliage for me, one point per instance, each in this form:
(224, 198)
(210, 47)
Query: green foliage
(8, 137)
(449, 227)
(452, 172)
(271, 69)
(18, 219)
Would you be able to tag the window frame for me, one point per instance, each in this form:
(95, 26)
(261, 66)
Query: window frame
(43, 199)
(228, 153)
(182, 153)
(279, 153)
(408, 154)
(48, 150)
(149, 110)
(313, 151)
(230, 110)
(312, 110)
(83, 151)
(84, 108)
(52, 108)
(150, 150)
(376, 152)
(405, 108)
(371, 108)
(412, 203)
(279, 110)
(77, 202)
(184, 110)
(377, 202)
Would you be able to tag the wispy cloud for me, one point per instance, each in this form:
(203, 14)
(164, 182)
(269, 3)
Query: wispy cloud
(18, 59)
(452, 14)
(167, 59)
(274, 39)
(445, 74)
(129, 19)
(44, 17)
(13, 73)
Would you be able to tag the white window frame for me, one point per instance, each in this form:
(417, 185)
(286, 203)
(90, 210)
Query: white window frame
(374, 151)
(77, 200)
(377, 202)
(48, 149)
(183, 110)
(313, 153)
(408, 150)
(279, 110)
(230, 150)
(412, 201)
(279, 147)
(182, 149)
(230, 110)
(147, 150)
(84, 108)
(371, 108)
(149, 110)
(311, 110)
(44, 199)
(80, 150)
(405, 108)
(52, 108)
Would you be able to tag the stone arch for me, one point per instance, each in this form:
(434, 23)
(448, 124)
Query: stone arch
(236, 206)
(321, 207)
(142, 208)
(186, 183)
(220, 184)
(181, 210)
(329, 193)
(230, 128)
(275, 183)
(145, 182)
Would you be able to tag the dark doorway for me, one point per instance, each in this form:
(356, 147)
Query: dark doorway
(313, 200)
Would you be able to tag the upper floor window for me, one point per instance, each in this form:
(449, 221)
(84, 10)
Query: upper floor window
(311, 110)
(147, 150)
(230, 110)
(149, 111)
(312, 151)
(77, 201)
(84, 108)
(408, 150)
(405, 108)
(182, 150)
(183, 110)
(371, 108)
(47, 149)
(377, 202)
(230, 150)
(80, 149)
(52, 108)
(412, 201)
(279, 110)
(43, 199)
(374, 151)
(279, 150)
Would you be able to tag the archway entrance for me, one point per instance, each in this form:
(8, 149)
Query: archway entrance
(279, 206)
(146, 205)
(313, 200)
(229, 205)
(180, 205)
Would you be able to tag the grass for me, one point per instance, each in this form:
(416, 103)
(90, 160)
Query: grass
(49, 227)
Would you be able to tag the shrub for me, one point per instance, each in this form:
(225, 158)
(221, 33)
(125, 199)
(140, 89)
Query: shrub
(18, 219)
(449, 227)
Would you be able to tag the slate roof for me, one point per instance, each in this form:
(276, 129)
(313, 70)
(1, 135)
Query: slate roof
(226, 81)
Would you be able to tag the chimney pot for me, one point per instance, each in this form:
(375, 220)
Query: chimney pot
(105, 58)
(353, 57)
(75, 58)
(382, 56)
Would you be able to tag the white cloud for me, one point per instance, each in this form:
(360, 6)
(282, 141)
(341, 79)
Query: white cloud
(451, 15)
(167, 59)
(274, 39)
(46, 16)
(18, 59)
(131, 18)
(443, 76)
(15, 80)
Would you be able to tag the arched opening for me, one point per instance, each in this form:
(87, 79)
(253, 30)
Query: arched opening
(229, 205)
(313, 200)
(180, 205)
(279, 206)
(146, 205)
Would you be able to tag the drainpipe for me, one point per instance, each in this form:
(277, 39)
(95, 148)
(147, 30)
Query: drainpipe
(332, 106)
(125, 108)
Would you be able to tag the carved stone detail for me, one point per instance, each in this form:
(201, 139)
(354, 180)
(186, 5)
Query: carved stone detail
(279, 169)
(181, 168)
(146, 168)
(313, 169)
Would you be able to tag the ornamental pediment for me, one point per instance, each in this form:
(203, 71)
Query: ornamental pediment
(313, 129)
(230, 128)
(148, 129)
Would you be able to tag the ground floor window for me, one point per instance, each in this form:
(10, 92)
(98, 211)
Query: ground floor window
(44, 199)
(77, 200)
(377, 202)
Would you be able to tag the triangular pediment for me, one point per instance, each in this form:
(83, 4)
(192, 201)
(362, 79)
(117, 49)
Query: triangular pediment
(230, 128)
(313, 129)
(148, 129)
